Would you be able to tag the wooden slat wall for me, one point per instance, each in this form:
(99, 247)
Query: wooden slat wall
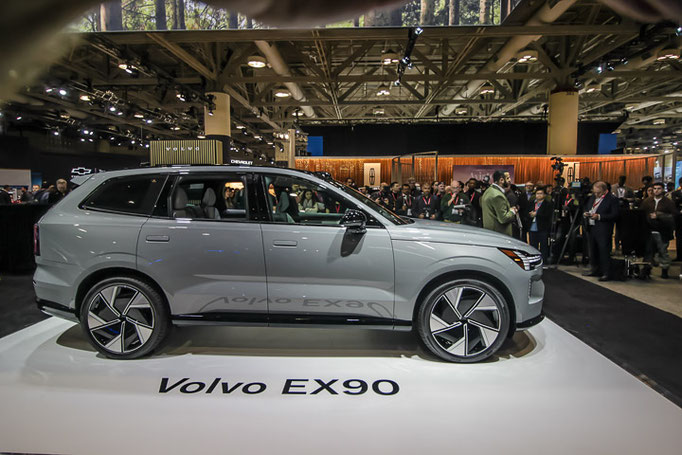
(526, 168)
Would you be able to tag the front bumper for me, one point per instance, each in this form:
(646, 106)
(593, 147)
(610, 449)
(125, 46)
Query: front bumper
(55, 309)
(530, 322)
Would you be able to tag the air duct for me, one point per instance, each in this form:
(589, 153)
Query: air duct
(545, 15)
(280, 67)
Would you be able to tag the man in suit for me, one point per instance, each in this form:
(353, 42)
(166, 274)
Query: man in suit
(541, 222)
(497, 213)
(601, 212)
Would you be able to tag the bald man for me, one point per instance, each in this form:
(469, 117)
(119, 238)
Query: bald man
(601, 212)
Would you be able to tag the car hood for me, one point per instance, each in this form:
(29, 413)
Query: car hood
(440, 232)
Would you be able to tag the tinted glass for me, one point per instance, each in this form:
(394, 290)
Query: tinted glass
(135, 195)
(212, 197)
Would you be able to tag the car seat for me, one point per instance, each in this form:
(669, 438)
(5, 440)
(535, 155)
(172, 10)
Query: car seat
(208, 205)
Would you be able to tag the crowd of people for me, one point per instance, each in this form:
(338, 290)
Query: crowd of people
(538, 213)
(47, 194)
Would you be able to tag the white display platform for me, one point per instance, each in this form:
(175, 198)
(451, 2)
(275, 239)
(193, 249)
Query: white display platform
(548, 393)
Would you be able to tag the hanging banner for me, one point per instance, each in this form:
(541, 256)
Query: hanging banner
(372, 174)
(480, 172)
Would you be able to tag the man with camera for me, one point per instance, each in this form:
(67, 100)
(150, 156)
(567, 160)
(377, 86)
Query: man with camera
(426, 205)
(601, 212)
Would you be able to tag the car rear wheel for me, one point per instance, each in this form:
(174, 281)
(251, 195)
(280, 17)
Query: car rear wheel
(124, 318)
(464, 321)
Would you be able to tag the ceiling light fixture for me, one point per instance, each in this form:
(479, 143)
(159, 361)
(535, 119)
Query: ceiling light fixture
(487, 89)
(659, 121)
(85, 98)
(383, 90)
(138, 115)
(527, 56)
(63, 92)
(256, 61)
(282, 93)
(670, 53)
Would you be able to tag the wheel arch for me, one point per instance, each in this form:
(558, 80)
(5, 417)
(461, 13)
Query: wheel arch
(111, 272)
(462, 274)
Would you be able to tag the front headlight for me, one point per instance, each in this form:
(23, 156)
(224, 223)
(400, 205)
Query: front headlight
(524, 260)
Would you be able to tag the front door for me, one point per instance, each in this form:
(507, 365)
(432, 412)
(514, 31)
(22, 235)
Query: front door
(206, 251)
(317, 271)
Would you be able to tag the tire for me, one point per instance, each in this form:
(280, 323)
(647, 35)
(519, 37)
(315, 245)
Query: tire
(128, 305)
(464, 320)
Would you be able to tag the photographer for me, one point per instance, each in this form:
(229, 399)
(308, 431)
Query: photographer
(540, 224)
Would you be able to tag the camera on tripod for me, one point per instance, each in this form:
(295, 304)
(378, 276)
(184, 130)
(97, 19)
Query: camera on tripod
(558, 165)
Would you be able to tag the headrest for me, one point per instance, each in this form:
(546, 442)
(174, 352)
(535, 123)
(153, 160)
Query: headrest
(180, 199)
(209, 198)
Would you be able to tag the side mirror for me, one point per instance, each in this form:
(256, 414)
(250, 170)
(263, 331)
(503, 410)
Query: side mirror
(354, 221)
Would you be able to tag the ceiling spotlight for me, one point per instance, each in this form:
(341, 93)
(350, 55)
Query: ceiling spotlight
(418, 31)
(396, 83)
(256, 61)
(406, 61)
(379, 111)
(85, 98)
(297, 113)
(181, 96)
(210, 112)
(599, 69)
(527, 56)
(175, 128)
(389, 57)
(86, 132)
(659, 121)
(49, 90)
(123, 66)
(138, 115)
(670, 53)
(487, 89)
(461, 111)
(63, 92)
(112, 108)
(201, 136)
(383, 90)
(240, 127)
(282, 93)
(148, 121)
(56, 132)
(119, 113)
(19, 117)
(593, 88)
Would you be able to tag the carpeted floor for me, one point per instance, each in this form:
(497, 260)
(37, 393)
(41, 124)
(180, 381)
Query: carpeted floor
(642, 339)
(17, 303)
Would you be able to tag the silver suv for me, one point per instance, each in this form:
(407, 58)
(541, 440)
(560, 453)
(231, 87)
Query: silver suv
(130, 253)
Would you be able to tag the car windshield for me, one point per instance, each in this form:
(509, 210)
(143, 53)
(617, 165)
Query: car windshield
(392, 217)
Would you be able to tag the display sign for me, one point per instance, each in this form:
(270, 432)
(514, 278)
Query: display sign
(186, 152)
(480, 171)
(372, 174)
(15, 177)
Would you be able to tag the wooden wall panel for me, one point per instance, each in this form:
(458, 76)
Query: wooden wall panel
(526, 168)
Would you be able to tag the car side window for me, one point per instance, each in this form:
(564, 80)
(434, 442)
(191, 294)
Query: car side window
(134, 195)
(293, 200)
(210, 197)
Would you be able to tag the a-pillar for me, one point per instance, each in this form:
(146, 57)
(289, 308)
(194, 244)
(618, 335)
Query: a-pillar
(217, 120)
(562, 127)
(291, 149)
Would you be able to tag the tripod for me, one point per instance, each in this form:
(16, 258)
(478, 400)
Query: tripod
(570, 236)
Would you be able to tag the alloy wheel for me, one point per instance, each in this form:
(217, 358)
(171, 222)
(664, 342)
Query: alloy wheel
(465, 320)
(120, 318)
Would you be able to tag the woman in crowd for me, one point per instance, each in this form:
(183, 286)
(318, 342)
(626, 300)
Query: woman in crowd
(309, 203)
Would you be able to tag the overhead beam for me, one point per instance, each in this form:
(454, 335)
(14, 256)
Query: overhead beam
(254, 110)
(183, 55)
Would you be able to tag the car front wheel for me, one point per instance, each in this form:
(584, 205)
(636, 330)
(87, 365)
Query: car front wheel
(124, 318)
(464, 320)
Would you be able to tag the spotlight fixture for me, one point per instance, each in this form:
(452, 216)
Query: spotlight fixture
(119, 113)
(379, 111)
(256, 61)
(593, 88)
(123, 66)
(175, 128)
(86, 132)
(659, 121)
(599, 69)
(297, 113)
(389, 57)
(418, 31)
(85, 97)
(383, 90)
(55, 132)
(148, 121)
(49, 90)
(240, 127)
(282, 93)
(63, 92)
(112, 108)
(670, 53)
(461, 111)
(487, 89)
(19, 117)
(138, 115)
(181, 96)
(527, 56)
(201, 136)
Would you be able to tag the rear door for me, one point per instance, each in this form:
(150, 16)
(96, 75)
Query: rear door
(204, 247)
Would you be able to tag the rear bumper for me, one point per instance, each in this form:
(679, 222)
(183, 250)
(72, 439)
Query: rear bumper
(56, 309)
(530, 322)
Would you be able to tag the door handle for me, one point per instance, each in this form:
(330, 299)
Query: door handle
(157, 238)
(285, 243)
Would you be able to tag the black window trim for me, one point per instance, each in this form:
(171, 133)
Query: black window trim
(268, 215)
(178, 178)
(81, 204)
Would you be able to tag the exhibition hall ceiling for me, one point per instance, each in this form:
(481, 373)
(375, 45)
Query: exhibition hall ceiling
(277, 78)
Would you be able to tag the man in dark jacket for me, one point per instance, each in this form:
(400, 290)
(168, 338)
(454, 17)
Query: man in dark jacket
(660, 213)
(540, 223)
(395, 199)
(473, 198)
(601, 212)
(426, 205)
(5, 198)
(676, 196)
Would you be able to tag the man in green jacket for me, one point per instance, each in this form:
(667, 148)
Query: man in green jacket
(497, 214)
